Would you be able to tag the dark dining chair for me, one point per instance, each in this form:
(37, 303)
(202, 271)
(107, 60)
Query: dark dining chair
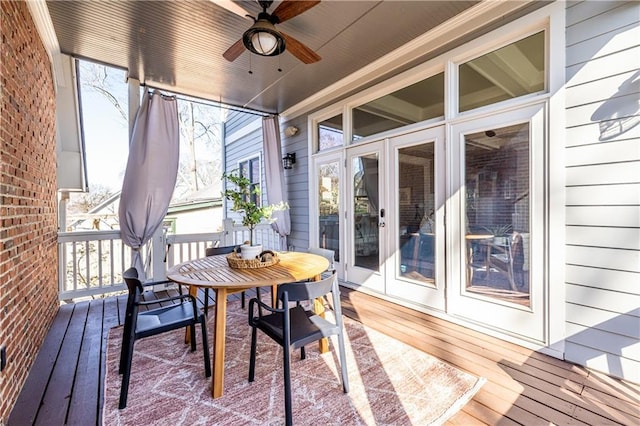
(144, 323)
(213, 251)
(294, 327)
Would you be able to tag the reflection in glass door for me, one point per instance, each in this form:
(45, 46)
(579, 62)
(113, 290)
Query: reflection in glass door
(367, 212)
(497, 213)
(497, 195)
(329, 207)
(416, 239)
(365, 215)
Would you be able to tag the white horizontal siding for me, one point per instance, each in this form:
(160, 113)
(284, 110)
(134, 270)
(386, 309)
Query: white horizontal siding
(612, 152)
(603, 278)
(611, 258)
(616, 106)
(615, 365)
(625, 61)
(607, 321)
(611, 343)
(604, 174)
(603, 89)
(616, 216)
(604, 19)
(620, 194)
(602, 308)
(611, 301)
(593, 236)
(590, 133)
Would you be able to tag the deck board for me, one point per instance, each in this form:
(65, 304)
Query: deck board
(523, 386)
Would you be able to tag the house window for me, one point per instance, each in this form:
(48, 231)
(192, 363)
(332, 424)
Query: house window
(509, 72)
(418, 102)
(251, 170)
(330, 133)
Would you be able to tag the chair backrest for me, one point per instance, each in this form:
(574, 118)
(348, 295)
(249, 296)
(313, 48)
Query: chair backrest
(330, 255)
(212, 251)
(134, 285)
(308, 290)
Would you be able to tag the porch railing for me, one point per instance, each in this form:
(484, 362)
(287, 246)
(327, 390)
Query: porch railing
(91, 262)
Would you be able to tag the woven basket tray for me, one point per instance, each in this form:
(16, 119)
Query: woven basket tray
(235, 261)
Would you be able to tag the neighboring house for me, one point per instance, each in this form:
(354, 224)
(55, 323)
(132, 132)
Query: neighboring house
(199, 212)
(530, 132)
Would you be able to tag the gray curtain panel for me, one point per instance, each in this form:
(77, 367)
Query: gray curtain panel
(151, 172)
(274, 173)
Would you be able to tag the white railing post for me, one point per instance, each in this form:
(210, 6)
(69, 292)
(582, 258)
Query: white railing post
(158, 265)
(227, 233)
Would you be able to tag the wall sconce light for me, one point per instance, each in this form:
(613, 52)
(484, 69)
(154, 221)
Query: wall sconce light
(290, 131)
(288, 161)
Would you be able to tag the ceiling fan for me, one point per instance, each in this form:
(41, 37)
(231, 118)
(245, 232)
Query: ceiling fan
(262, 38)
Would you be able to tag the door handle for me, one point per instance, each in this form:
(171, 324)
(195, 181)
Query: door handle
(382, 213)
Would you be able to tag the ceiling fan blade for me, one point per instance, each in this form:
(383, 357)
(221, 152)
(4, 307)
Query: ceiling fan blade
(232, 7)
(291, 8)
(299, 50)
(234, 51)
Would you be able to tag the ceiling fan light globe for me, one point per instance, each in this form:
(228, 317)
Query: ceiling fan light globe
(263, 39)
(265, 43)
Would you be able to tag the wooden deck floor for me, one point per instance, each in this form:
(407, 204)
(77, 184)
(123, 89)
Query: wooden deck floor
(523, 387)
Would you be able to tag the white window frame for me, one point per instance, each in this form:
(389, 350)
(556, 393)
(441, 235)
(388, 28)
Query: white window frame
(550, 18)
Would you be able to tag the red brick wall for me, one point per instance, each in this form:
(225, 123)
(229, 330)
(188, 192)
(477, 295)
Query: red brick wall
(28, 232)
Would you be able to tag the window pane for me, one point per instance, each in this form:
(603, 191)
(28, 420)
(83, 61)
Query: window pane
(330, 133)
(420, 101)
(416, 210)
(365, 206)
(506, 73)
(497, 212)
(329, 196)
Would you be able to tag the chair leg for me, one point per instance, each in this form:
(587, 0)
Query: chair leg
(252, 356)
(206, 301)
(287, 387)
(205, 347)
(242, 295)
(192, 331)
(126, 373)
(343, 363)
(303, 353)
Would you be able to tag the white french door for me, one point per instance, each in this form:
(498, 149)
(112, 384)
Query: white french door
(366, 215)
(415, 266)
(394, 226)
(496, 231)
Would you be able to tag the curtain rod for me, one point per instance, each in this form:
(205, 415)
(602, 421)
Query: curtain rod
(204, 101)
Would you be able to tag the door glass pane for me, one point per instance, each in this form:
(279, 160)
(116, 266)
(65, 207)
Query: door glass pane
(329, 196)
(418, 102)
(497, 213)
(509, 72)
(330, 133)
(365, 208)
(416, 209)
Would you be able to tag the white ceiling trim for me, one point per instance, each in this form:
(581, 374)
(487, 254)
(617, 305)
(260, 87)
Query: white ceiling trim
(470, 20)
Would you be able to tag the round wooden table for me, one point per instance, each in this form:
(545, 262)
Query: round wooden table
(214, 272)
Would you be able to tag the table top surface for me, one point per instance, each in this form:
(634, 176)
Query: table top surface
(214, 271)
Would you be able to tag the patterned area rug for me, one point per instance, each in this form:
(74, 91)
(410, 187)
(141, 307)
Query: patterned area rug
(390, 382)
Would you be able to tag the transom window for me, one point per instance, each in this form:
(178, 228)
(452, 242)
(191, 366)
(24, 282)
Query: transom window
(418, 102)
(509, 72)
